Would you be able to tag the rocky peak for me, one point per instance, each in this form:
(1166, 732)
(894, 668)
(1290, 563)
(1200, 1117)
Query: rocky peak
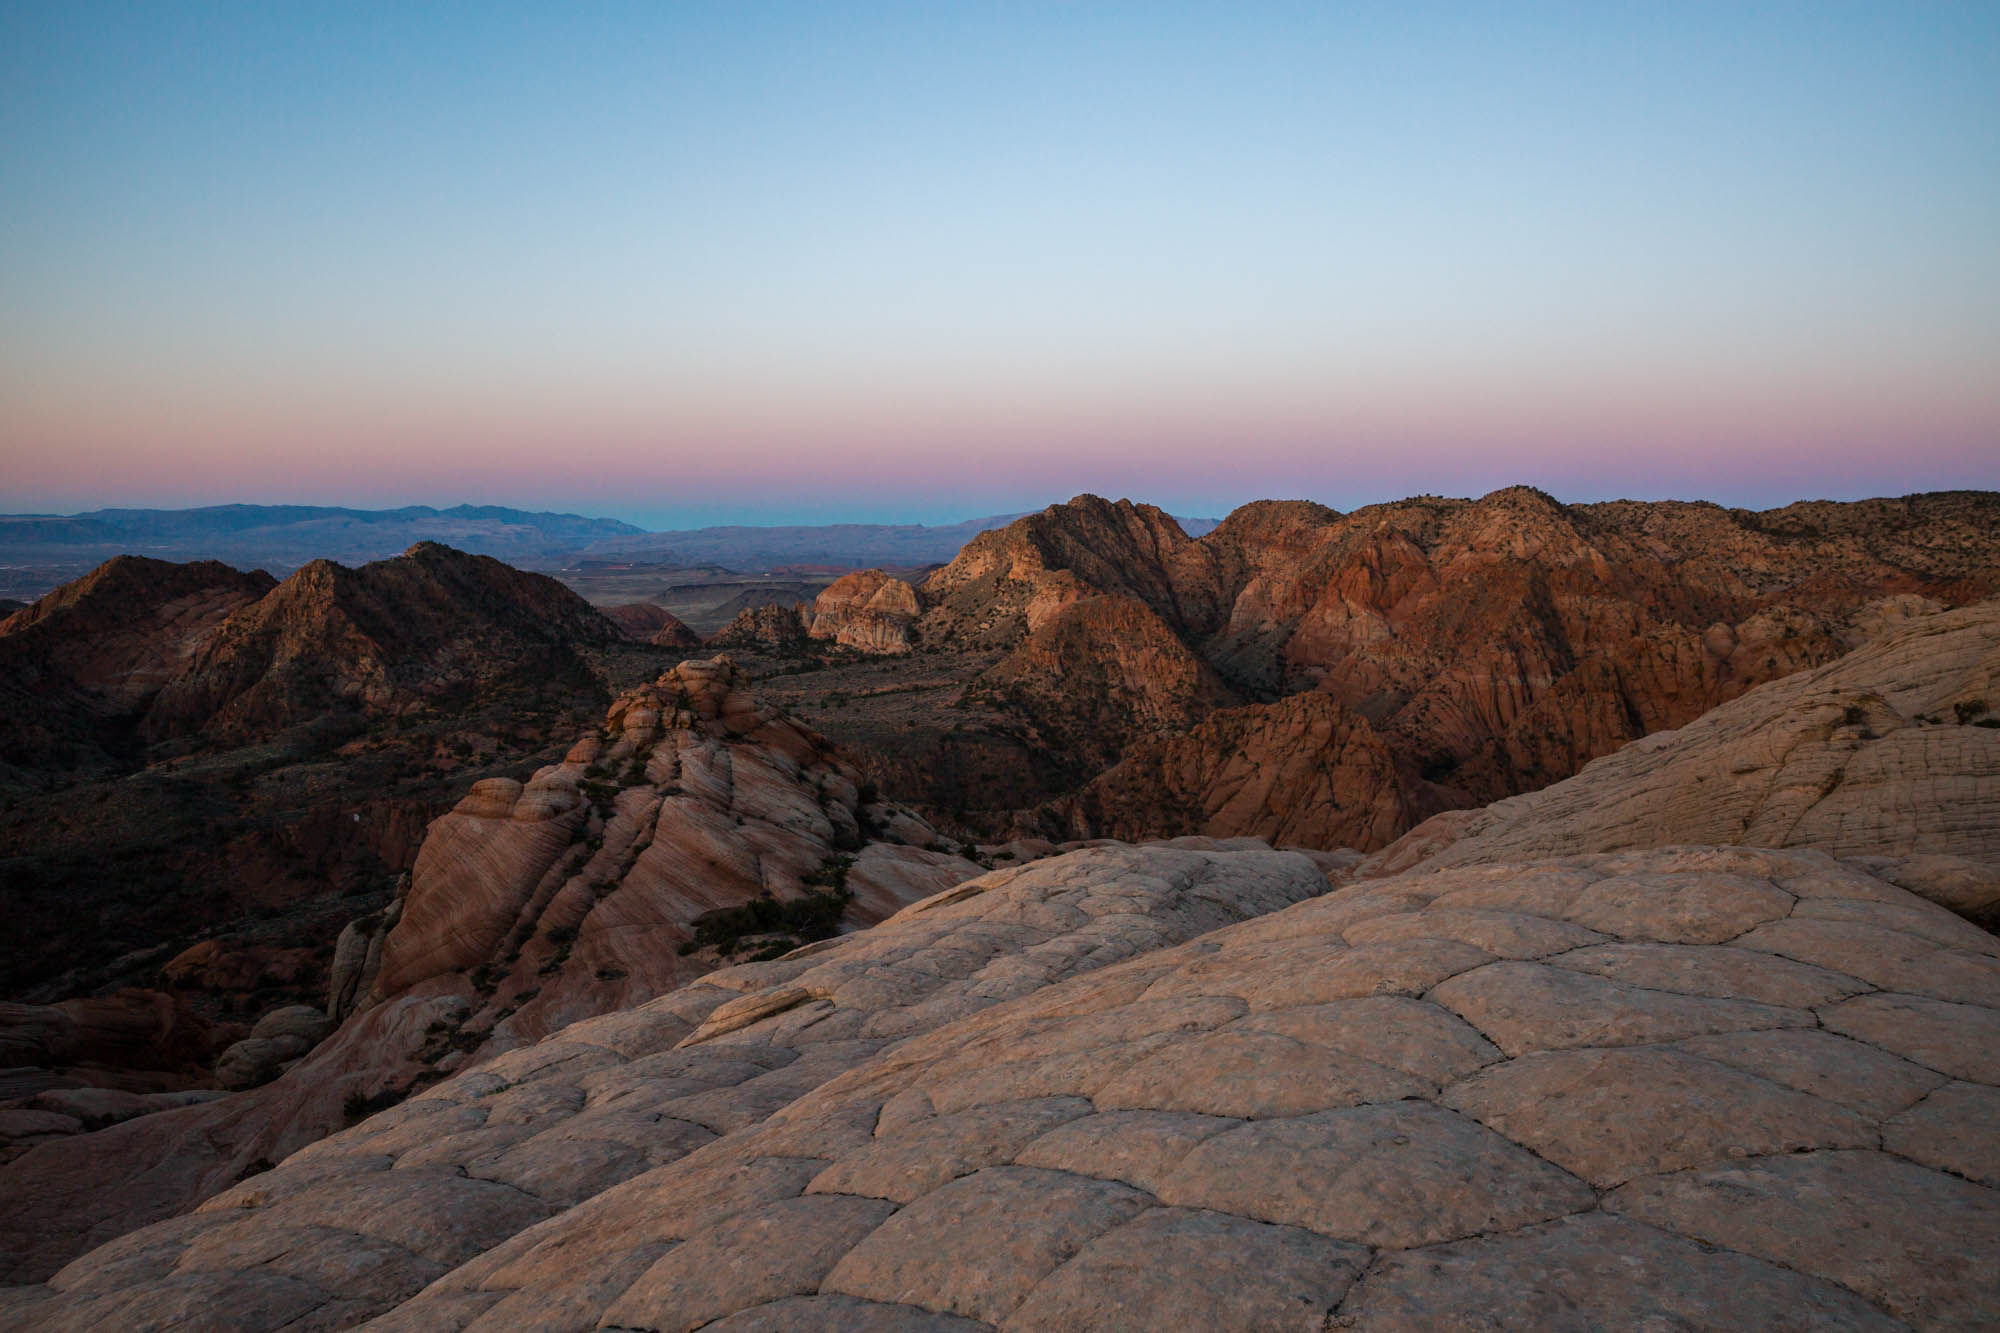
(867, 610)
(1007, 582)
(770, 628)
(385, 637)
(76, 665)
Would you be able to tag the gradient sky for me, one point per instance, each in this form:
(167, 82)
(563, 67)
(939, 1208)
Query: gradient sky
(685, 263)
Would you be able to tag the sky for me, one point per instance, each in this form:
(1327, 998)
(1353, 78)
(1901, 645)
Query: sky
(689, 263)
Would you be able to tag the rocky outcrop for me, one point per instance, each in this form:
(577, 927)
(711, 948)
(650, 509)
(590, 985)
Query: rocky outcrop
(279, 1040)
(136, 1039)
(768, 628)
(868, 611)
(694, 827)
(652, 624)
(1892, 751)
(1304, 771)
(1494, 646)
(1725, 1088)
(576, 892)
(1005, 584)
(1100, 672)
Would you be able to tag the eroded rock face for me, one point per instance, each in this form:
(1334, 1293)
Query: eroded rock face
(1882, 754)
(770, 629)
(1305, 771)
(1101, 672)
(1563, 1094)
(1494, 646)
(868, 611)
(531, 905)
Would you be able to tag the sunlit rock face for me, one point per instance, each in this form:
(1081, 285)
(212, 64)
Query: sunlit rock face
(1487, 647)
(868, 611)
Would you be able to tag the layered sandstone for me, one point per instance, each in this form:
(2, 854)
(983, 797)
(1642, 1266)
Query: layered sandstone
(1711, 1088)
(532, 905)
(868, 610)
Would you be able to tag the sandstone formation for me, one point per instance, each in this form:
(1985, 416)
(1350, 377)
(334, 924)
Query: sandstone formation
(1494, 646)
(1694, 1088)
(587, 890)
(868, 611)
(1891, 752)
(277, 1041)
(140, 1040)
(1100, 672)
(652, 624)
(766, 628)
(228, 767)
(1305, 771)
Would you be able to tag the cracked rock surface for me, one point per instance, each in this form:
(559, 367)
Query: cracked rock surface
(1154, 1087)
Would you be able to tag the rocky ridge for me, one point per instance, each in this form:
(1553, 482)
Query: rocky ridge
(389, 637)
(1493, 646)
(78, 666)
(1724, 1086)
(695, 822)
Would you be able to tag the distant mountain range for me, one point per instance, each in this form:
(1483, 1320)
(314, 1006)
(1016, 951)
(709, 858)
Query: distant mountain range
(282, 537)
(39, 551)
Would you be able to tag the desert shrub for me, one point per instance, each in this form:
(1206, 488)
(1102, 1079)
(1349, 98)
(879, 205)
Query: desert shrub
(780, 926)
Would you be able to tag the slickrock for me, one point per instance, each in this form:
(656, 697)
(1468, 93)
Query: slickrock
(532, 905)
(1075, 1095)
(612, 1098)
(1888, 755)
(867, 610)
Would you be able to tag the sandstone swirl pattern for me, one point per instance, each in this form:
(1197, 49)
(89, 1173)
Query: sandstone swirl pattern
(1693, 1088)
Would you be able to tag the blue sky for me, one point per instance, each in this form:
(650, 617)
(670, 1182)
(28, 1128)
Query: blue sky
(740, 262)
